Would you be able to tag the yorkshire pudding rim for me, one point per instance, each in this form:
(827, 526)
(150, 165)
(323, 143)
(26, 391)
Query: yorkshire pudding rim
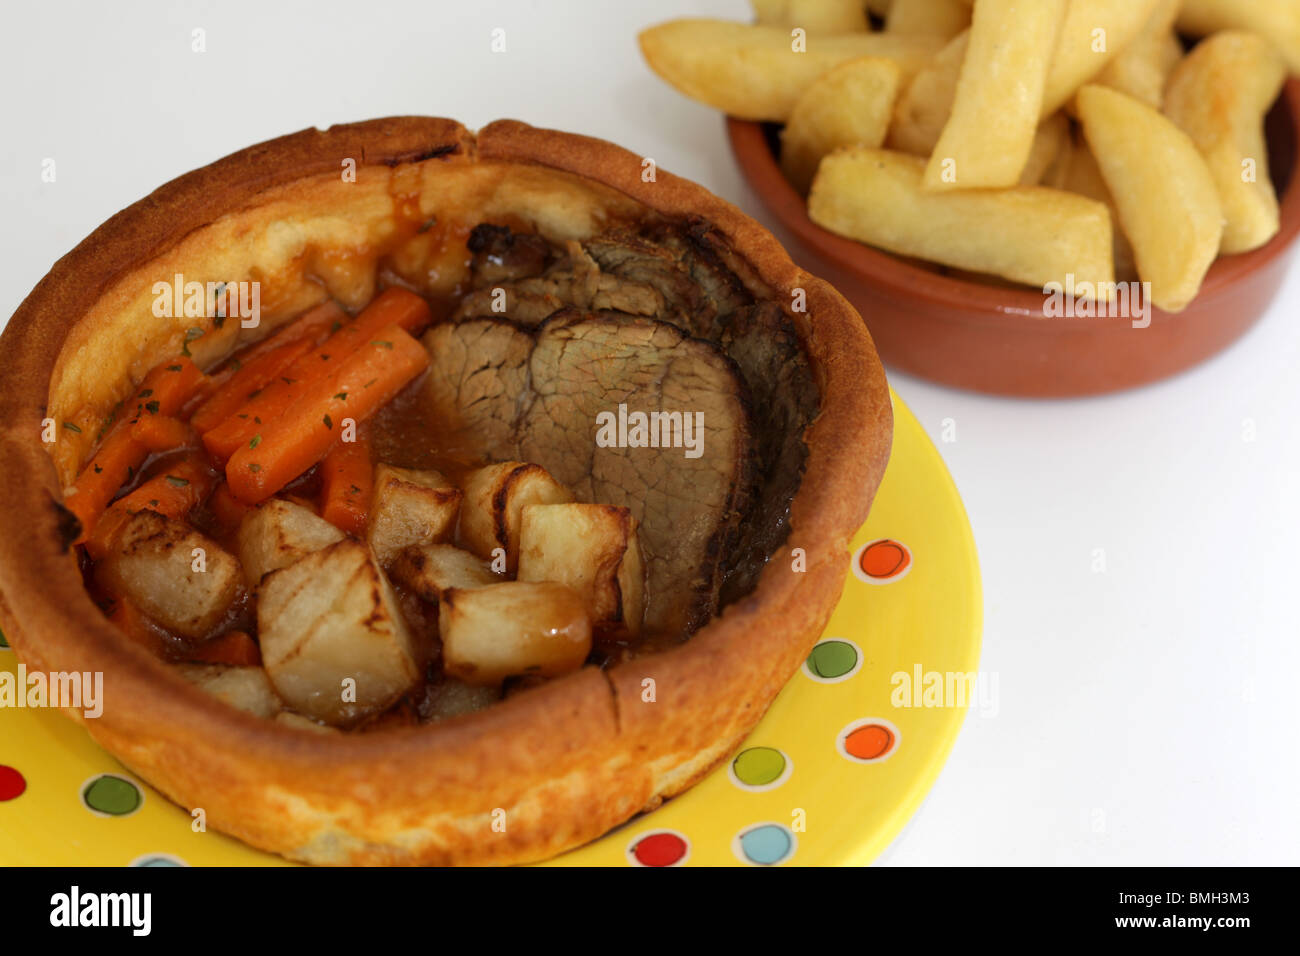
(153, 720)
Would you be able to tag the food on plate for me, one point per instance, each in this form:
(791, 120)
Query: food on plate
(594, 550)
(495, 498)
(1164, 192)
(410, 507)
(993, 106)
(446, 533)
(990, 131)
(279, 532)
(758, 72)
(1219, 96)
(879, 197)
(483, 643)
(846, 106)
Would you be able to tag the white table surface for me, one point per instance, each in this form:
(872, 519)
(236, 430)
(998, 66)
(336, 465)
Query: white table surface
(1145, 713)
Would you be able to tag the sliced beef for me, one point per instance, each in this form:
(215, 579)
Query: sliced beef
(688, 508)
(581, 364)
(573, 279)
(669, 314)
(478, 380)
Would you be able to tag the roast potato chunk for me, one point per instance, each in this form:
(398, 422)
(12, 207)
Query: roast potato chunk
(512, 628)
(410, 507)
(182, 579)
(495, 496)
(334, 643)
(594, 550)
(277, 533)
(245, 688)
(430, 569)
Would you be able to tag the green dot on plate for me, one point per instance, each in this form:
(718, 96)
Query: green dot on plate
(832, 659)
(112, 795)
(759, 766)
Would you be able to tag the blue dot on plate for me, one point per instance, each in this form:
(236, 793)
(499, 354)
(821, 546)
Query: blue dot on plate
(766, 844)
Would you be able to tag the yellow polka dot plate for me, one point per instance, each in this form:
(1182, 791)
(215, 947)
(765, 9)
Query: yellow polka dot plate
(829, 777)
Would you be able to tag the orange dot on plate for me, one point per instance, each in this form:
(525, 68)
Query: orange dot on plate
(884, 559)
(869, 742)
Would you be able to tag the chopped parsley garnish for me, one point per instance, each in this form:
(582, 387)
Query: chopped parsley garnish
(190, 336)
(71, 427)
(254, 468)
(382, 344)
(328, 424)
(341, 396)
(152, 407)
(257, 440)
(177, 482)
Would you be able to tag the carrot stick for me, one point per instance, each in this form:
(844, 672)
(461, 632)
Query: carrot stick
(173, 493)
(160, 433)
(347, 481)
(393, 306)
(253, 375)
(163, 392)
(234, 648)
(298, 436)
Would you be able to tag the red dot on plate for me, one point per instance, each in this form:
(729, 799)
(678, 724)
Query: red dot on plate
(659, 849)
(12, 783)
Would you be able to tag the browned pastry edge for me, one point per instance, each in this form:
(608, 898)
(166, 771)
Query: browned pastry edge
(566, 761)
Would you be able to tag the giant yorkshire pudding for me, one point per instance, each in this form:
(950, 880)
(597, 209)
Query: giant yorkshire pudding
(339, 213)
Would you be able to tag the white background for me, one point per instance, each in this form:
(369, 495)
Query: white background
(1146, 713)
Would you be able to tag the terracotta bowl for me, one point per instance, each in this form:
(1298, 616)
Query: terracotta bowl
(560, 764)
(996, 339)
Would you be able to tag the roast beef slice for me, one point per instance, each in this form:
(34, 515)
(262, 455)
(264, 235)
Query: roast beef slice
(545, 410)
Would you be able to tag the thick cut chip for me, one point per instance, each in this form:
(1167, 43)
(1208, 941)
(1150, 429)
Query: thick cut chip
(1029, 234)
(1219, 97)
(851, 105)
(759, 72)
(990, 130)
(1167, 201)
